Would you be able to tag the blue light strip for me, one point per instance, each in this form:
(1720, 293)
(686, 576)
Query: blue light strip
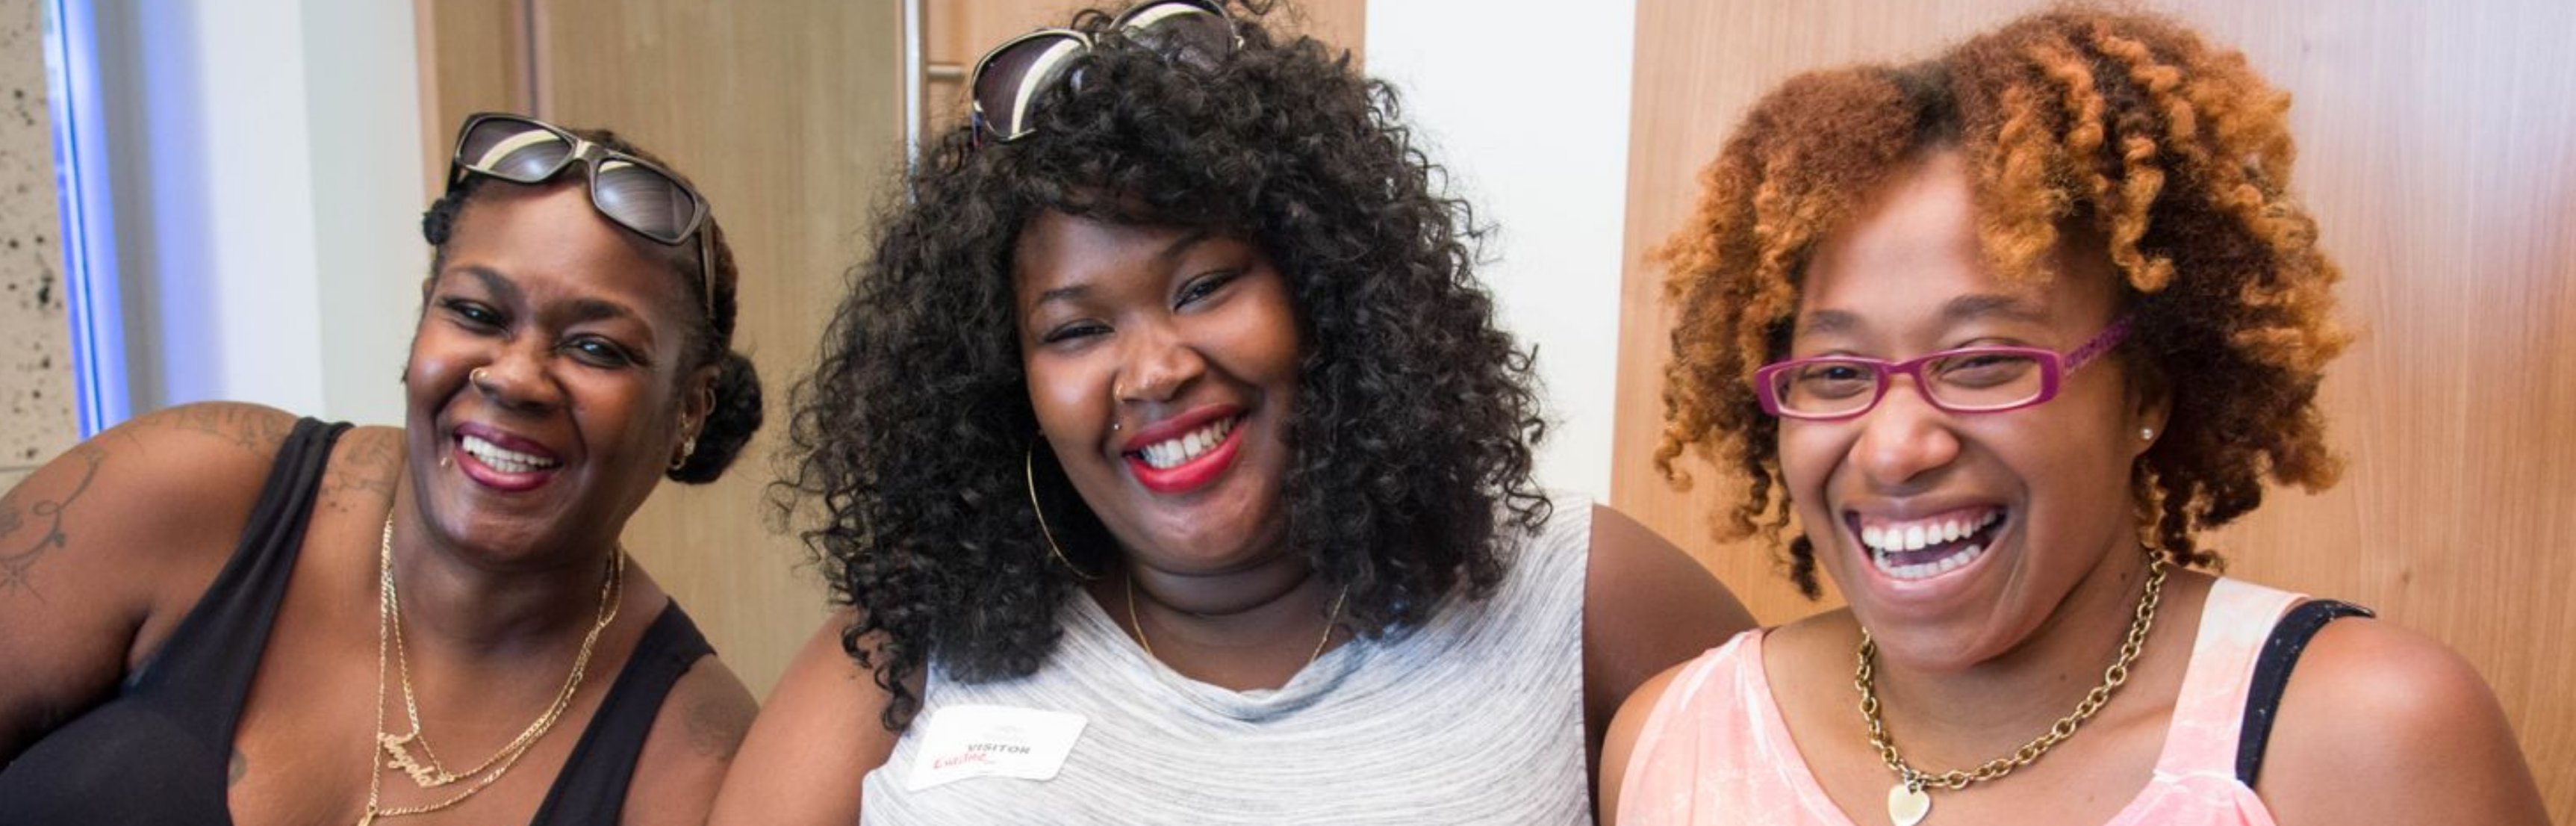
(89, 224)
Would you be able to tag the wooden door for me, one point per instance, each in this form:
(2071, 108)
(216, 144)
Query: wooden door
(2438, 152)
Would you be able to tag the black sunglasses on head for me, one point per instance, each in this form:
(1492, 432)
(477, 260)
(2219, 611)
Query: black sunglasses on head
(1009, 79)
(632, 192)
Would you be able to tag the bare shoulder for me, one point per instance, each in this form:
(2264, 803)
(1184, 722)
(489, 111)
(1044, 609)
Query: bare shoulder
(1648, 605)
(364, 467)
(204, 459)
(103, 546)
(816, 739)
(253, 430)
(1620, 747)
(695, 736)
(2383, 725)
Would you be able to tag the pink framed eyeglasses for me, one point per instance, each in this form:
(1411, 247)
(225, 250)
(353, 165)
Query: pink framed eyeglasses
(1965, 380)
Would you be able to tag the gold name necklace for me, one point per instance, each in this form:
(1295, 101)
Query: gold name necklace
(424, 769)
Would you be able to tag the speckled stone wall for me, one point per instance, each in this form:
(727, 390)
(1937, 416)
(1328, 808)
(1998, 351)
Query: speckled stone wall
(36, 416)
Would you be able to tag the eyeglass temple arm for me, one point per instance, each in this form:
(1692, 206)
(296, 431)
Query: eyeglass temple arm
(2102, 343)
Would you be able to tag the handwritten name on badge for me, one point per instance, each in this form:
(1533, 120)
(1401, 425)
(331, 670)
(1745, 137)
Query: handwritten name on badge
(993, 741)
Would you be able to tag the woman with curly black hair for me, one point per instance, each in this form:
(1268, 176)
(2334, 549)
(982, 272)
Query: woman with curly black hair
(1173, 470)
(2000, 334)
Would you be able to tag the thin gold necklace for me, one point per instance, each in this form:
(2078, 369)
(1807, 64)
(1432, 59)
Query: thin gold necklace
(395, 749)
(1910, 800)
(1330, 619)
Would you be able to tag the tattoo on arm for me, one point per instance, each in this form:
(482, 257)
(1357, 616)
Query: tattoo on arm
(233, 772)
(254, 429)
(362, 476)
(19, 553)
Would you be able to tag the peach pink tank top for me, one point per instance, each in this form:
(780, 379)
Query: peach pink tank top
(1716, 751)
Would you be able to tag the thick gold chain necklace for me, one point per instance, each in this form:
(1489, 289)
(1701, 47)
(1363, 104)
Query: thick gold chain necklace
(1910, 800)
(1330, 619)
(396, 749)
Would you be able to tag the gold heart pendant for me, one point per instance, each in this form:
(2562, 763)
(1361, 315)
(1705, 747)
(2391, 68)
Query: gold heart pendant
(1907, 806)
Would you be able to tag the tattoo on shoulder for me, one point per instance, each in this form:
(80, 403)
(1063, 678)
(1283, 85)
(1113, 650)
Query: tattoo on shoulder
(717, 725)
(233, 772)
(255, 429)
(29, 531)
(362, 476)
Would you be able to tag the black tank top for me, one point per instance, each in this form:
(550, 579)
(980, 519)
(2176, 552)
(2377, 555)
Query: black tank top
(157, 752)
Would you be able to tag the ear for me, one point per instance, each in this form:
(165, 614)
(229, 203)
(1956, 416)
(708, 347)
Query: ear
(2150, 407)
(698, 400)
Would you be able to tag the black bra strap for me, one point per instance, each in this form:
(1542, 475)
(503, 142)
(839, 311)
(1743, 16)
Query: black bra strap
(2272, 676)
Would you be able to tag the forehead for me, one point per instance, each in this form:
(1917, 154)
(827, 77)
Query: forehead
(1910, 257)
(549, 236)
(1058, 249)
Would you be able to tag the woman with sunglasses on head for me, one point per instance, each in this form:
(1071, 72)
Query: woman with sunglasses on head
(220, 613)
(2017, 325)
(1174, 471)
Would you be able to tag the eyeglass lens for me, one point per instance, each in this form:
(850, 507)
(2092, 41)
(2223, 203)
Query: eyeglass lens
(639, 197)
(1009, 81)
(1964, 381)
(1185, 30)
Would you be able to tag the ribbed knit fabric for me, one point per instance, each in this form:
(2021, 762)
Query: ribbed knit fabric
(1474, 718)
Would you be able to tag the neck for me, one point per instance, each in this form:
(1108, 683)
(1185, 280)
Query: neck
(1956, 719)
(1250, 628)
(455, 599)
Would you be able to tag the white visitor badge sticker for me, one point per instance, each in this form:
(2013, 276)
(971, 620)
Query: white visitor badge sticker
(993, 741)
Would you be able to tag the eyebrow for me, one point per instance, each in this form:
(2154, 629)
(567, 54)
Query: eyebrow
(1990, 305)
(599, 309)
(1961, 309)
(500, 285)
(1168, 254)
(583, 310)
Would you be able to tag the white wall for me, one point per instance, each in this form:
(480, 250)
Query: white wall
(265, 157)
(1526, 103)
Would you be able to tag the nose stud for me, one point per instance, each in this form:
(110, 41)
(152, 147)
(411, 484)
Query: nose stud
(476, 376)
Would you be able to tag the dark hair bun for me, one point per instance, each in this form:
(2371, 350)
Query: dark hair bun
(729, 426)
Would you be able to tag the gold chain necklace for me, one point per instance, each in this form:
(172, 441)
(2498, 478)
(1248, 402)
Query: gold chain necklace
(1909, 801)
(1330, 620)
(395, 749)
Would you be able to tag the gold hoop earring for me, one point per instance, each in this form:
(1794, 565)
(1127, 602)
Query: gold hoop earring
(1029, 474)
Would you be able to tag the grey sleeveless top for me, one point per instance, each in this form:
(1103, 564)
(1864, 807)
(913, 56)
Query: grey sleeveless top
(1475, 717)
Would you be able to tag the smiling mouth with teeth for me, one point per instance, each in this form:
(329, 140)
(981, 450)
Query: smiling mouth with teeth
(1926, 548)
(1179, 450)
(504, 459)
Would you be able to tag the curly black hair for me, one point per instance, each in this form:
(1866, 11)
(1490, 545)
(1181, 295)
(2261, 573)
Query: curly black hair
(1414, 419)
(737, 412)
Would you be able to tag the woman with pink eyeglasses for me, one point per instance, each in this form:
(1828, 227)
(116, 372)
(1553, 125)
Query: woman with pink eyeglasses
(1998, 335)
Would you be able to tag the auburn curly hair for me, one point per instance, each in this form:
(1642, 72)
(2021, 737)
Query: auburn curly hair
(2176, 152)
(1415, 416)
